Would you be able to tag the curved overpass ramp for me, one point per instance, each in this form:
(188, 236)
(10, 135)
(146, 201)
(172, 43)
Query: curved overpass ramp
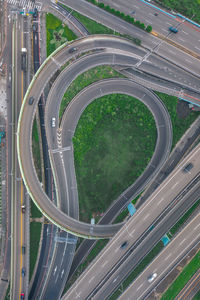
(24, 144)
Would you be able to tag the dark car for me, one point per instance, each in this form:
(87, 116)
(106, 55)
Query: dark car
(124, 245)
(156, 14)
(31, 100)
(188, 167)
(22, 296)
(34, 27)
(23, 272)
(35, 13)
(71, 50)
(23, 249)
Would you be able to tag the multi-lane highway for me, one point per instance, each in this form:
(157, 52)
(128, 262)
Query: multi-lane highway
(36, 88)
(161, 47)
(156, 74)
(136, 227)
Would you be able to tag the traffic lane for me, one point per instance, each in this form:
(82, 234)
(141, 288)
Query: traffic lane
(111, 21)
(136, 226)
(162, 69)
(165, 261)
(188, 34)
(139, 252)
(71, 18)
(178, 57)
(164, 86)
(59, 270)
(115, 23)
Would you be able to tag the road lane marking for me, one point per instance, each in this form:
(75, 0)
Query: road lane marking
(166, 258)
(196, 227)
(104, 264)
(160, 201)
(140, 286)
(182, 242)
(173, 187)
(91, 279)
(146, 217)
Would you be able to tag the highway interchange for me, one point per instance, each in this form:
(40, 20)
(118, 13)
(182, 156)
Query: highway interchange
(121, 54)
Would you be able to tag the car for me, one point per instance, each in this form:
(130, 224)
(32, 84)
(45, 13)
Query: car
(124, 245)
(35, 13)
(156, 14)
(23, 207)
(173, 29)
(152, 277)
(71, 50)
(23, 272)
(22, 296)
(188, 167)
(23, 249)
(53, 122)
(34, 27)
(31, 100)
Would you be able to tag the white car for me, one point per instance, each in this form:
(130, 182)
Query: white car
(53, 122)
(152, 277)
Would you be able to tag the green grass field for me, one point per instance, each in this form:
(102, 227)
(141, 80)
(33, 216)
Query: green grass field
(189, 8)
(183, 278)
(92, 26)
(57, 34)
(110, 151)
(85, 79)
(35, 232)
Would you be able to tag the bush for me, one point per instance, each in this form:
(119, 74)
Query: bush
(149, 28)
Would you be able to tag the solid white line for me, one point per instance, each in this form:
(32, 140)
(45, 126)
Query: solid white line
(197, 48)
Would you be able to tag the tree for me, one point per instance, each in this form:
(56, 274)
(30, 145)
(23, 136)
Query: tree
(149, 28)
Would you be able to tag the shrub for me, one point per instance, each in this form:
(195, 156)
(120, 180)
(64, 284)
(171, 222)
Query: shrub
(149, 28)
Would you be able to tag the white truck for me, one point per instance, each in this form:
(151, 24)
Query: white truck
(24, 59)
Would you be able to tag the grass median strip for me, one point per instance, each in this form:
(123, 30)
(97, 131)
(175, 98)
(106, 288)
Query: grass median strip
(183, 278)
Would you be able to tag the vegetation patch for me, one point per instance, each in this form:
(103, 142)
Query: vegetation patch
(179, 125)
(36, 150)
(121, 15)
(96, 28)
(110, 151)
(85, 79)
(186, 7)
(35, 232)
(57, 33)
(35, 212)
(183, 278)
